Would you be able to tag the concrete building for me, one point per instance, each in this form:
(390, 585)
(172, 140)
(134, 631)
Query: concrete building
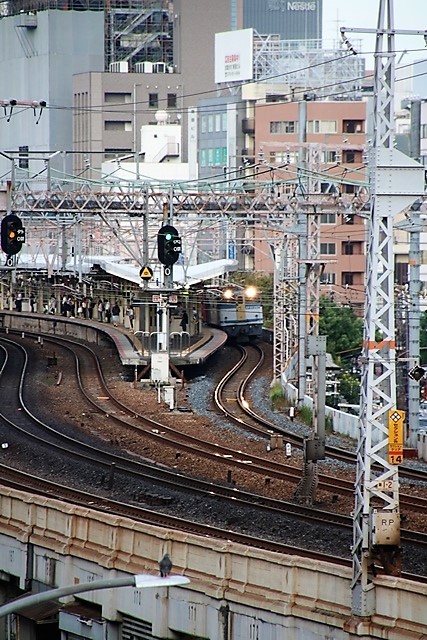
(157, 54)
(39, 53)
(159, 161)
(221, 139)
(130, 99)
(290, 20)
(331, 149)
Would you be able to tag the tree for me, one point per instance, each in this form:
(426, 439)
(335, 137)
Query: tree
(343, 329)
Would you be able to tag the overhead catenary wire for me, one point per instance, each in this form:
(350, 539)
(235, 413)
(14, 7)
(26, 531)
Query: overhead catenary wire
(213, 108)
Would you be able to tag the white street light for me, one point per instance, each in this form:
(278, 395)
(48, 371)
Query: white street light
(139, 581)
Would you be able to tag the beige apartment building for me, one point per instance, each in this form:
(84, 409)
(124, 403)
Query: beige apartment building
(328, 138)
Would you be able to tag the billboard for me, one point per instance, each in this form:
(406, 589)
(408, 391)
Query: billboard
(234, 55)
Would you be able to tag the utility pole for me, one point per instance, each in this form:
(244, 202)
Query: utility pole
(395, 181)
(413, 225)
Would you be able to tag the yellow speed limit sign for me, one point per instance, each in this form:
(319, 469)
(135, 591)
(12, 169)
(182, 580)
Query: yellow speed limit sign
(396, 419)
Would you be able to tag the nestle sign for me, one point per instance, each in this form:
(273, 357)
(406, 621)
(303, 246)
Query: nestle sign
(301, 6)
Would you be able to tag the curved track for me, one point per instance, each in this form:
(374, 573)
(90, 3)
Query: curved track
(236, 384)
(92, 384)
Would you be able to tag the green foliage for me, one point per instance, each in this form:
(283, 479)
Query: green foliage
(276, 392)
(305, 414)
(350, 387)
(329, 424)
(343, 329)
(278, 397)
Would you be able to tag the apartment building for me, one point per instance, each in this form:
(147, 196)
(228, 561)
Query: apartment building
(328, 139)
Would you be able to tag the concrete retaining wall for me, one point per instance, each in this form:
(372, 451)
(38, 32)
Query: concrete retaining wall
(235, 593)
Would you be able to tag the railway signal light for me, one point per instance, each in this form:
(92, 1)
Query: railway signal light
(12, 234)
(169, 245)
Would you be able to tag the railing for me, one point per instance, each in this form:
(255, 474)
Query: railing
(179, 342)
(169, 149)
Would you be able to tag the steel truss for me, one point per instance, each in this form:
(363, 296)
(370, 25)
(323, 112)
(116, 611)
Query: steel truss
(395, 182)
(306, 66)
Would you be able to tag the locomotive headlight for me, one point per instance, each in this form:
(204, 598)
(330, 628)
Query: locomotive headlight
(228, 294)
(251, 292)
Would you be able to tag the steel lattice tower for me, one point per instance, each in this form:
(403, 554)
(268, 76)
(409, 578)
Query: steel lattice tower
(395, 180)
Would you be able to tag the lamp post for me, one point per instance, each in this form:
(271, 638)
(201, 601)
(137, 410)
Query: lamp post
(140, 581)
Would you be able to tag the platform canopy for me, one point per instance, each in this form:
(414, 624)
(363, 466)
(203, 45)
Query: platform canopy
(182, 276)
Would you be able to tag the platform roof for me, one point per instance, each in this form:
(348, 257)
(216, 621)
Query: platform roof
(114, 265)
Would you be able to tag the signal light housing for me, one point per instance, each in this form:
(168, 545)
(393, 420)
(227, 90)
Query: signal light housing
(12, 234)
(169, 245)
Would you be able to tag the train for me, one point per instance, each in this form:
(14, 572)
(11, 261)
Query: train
(240, 318)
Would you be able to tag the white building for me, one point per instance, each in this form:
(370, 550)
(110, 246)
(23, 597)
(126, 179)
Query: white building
(160, 158)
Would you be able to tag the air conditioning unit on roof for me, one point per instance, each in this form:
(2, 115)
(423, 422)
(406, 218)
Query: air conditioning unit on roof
(119, 67)
(159, 67)
(144, 67)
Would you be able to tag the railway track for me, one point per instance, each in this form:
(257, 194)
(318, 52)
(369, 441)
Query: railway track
(113, 466)
(235, 385)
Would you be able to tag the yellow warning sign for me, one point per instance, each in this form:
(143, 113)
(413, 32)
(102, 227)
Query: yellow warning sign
(146, 273)
(395, 436)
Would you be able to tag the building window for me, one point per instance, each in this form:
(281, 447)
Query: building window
(23, 157)
(322, 126)
(328, 187)
(352, 126)
(203, 157)
(118, 125)
(328, 278)
(117, 98)
(284, 126)
(351, 156)
(210, 157)
(172, 101)
(224, 121)
(153, 100)
(224, 156)
(347, 279)
(330, 157)
(218, 122)
(283, 157)
(349, 188)
(328, 218)
(348, 248)
(204, 124)
(348, 217)
(327, 248)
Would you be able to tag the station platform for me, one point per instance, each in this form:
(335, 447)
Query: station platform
(200, 349)
(128, 347)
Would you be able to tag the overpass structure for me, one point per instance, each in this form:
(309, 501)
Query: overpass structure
(235, 592)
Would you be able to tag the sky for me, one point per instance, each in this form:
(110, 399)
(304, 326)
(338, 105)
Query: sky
(408, 14)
